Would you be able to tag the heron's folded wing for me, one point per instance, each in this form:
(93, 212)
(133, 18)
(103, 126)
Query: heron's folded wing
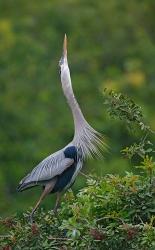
(50, 167)
(51, 170)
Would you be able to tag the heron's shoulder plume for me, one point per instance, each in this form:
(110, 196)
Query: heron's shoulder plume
(91, 142)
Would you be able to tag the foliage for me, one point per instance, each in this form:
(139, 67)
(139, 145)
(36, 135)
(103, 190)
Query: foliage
(111, 212)
(122, 107)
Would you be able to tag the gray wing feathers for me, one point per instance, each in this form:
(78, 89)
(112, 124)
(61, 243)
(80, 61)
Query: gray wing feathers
(50, 167)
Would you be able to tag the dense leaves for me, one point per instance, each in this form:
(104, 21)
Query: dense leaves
(109, 213)
(122, 107)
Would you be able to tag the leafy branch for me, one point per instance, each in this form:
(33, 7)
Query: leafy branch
(122, 107)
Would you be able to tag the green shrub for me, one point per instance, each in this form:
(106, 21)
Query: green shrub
(109, 213)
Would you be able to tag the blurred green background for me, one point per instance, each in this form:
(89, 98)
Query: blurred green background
(111, 44)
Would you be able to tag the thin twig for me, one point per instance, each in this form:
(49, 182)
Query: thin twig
(55, 238)
(85, 175)
(108, 217)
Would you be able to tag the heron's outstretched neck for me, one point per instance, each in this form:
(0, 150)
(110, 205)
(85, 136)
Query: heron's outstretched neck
(85, 137)
(79, 120)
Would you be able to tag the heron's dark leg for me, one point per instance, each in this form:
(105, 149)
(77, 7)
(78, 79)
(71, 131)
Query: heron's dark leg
(57, 203)
(48, 188)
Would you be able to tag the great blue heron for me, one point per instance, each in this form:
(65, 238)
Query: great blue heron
(58, 171)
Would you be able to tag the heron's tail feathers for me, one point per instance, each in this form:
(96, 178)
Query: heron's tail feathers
(23, 186)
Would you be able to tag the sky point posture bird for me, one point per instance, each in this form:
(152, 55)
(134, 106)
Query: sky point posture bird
(58, 171)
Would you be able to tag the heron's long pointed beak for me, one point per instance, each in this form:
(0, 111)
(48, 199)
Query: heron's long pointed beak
(65, 46)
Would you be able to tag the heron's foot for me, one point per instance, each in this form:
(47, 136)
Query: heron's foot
(56, 214)
(55, 211)
(31, 219)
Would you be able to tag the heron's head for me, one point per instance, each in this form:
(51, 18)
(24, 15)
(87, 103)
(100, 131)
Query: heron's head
(63, 64)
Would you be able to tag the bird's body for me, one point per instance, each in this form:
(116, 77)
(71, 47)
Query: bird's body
(64, 165)
(58, 171)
